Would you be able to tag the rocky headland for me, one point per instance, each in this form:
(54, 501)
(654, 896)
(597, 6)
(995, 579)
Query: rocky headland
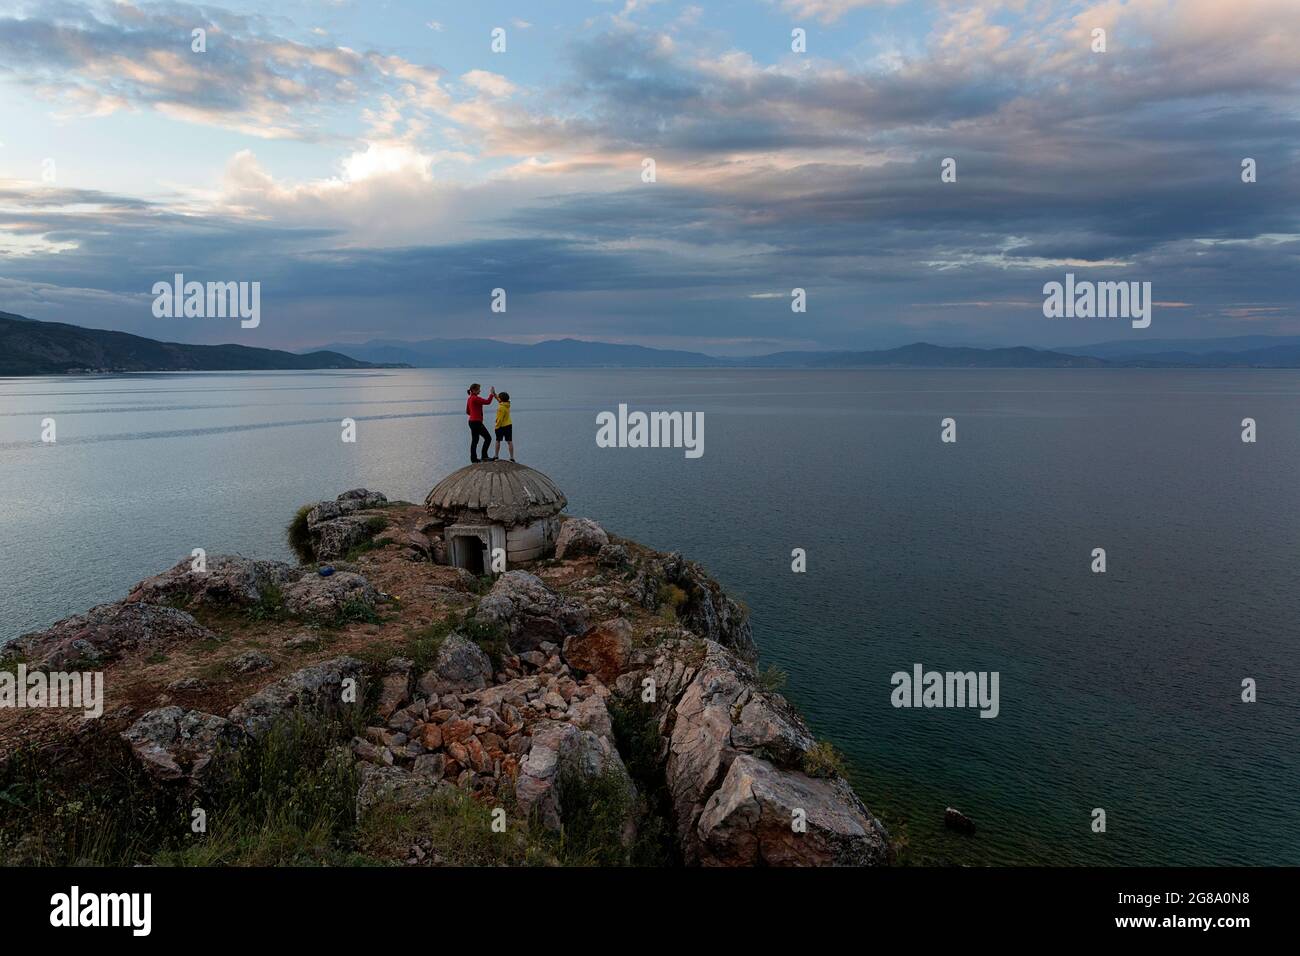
(602, 706)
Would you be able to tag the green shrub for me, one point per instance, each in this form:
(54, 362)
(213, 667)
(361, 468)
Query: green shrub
(596, 811)
(270, 604)
(823, 760)
(772, 678)
(357, 610)
(636, 734)
(490, 637)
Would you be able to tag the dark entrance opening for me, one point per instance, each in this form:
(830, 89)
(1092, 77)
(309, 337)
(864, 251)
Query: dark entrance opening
(471, 551)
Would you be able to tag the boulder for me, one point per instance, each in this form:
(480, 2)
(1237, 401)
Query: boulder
(359, 499)
(430, 765)
(174, 744)
(707, 611)
(334, 526)
(720, 715)
(462, 664)
(251, 662)
(104, 632)
(529, 612)
(228, 581)
(558, 749)
(313, 596)
(363, 498)
(395, 688)
(420, 545)
(316, 691)
(762, 816)
(380, 784)
(603, 649)
(580, 536)
(514, 692)
(614, 557)
(334, 539)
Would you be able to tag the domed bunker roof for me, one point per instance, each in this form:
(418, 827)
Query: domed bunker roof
(505, 492)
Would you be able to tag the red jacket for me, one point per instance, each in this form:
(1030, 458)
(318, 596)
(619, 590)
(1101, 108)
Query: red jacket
(474, 407)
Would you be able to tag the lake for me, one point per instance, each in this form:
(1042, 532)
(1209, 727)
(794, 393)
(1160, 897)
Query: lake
(1119, 691)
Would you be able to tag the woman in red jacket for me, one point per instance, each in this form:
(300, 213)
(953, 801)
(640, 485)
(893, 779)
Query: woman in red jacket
(474, 409)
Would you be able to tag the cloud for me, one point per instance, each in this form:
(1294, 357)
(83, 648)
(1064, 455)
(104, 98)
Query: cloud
(828, 11)
(772, 174)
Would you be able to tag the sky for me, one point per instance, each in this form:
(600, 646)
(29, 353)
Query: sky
(379, 168)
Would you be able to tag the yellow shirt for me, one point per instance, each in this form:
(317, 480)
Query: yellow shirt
(503, 414)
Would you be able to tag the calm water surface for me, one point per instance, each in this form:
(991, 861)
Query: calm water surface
(1117, 690)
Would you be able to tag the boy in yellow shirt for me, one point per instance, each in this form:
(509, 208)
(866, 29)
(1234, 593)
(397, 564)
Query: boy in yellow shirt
(504, 429)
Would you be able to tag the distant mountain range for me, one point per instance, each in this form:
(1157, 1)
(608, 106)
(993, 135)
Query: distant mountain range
(29, 347)
(571, 353)
(1254, 351)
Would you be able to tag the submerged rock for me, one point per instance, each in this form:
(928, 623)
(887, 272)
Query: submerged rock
(956, 820)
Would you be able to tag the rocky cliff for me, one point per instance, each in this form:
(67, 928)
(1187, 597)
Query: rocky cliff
(611, 681)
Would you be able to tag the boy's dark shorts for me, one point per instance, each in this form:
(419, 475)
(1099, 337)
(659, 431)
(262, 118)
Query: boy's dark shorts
(506, 433)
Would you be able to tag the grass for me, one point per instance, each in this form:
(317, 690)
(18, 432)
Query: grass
(299, 536)
(290, 799)
(88, 805)
(596, 812)
(458, 829)
(287, 798)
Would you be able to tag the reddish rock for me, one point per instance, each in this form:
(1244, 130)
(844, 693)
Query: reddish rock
(456, 730)
(478, 758)
(603, 649)
(430, 737)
